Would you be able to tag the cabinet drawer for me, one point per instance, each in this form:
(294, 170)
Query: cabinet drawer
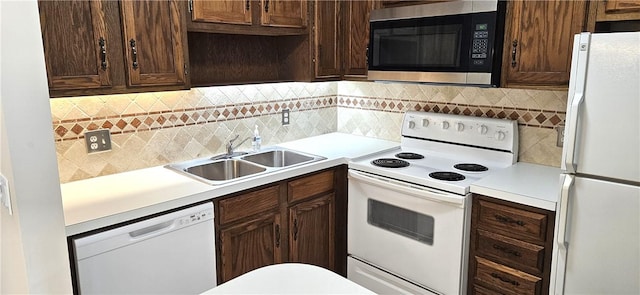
(312, 185)
(505, 279)
(248, 204)
(513, 222)
(515, 253)
(479, 290)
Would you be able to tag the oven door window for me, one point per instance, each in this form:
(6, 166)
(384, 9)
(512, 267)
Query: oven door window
(401, 221)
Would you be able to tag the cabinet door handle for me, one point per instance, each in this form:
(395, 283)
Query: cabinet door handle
(277, 236)
(247, 5)
(266, 5)
(506, 219)
(134, 53)
(295, 229)
(103, 53)
(514, 52)
(507, 250)
(506, 280)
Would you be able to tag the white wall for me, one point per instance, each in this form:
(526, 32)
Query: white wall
(34, 252)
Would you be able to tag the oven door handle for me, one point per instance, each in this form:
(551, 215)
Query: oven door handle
(414, 190)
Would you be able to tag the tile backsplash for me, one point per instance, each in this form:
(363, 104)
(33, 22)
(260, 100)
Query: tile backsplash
(151, 129)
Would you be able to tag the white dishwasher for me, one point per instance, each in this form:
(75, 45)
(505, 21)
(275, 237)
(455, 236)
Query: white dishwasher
(169, 254)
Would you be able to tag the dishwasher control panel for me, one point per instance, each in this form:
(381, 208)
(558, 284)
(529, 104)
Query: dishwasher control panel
(196, 217)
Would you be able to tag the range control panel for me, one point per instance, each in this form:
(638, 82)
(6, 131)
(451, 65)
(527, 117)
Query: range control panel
(500, 134)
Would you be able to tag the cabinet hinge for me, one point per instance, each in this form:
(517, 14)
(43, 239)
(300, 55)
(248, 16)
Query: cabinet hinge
(190, 6)
(186, 69)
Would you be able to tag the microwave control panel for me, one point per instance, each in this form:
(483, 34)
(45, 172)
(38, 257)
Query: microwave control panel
(480, 45)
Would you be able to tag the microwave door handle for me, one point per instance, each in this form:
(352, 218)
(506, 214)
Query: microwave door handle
(414, 190)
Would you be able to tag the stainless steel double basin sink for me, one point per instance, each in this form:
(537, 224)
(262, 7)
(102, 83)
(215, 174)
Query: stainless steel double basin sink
(226, 168)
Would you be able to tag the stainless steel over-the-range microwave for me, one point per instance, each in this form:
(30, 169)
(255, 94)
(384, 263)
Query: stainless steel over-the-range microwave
(457, 42)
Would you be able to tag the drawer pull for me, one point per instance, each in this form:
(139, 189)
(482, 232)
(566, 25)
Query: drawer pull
(507, 250)
(506, 280)
(103, 53)
(506, 219)
(134, 53)
(277, 236)
(514, 51)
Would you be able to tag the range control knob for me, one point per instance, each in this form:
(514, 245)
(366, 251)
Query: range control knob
(499, 135)
(425, 122)
(445, 125)
(482, 129)
(460, 127)
(411, 124)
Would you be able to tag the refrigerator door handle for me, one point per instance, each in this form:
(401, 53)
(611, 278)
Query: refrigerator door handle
(561, 240)
(564, 208)
(576, 93)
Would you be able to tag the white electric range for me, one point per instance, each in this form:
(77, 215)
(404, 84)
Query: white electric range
(409, 208)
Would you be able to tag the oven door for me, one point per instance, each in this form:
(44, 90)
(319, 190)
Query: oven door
(413, 232)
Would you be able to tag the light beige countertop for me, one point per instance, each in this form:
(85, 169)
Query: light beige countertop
(524, 183)
(107, 200)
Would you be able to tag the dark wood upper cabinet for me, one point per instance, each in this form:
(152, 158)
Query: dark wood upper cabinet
(396, 3)
(614, 16)
(618, 7)
(221, 11)
(153, 33)
(76, 43)
(326, 39)
(106, 47)
(249, 17)
(355, 18)
(284, 13)
(538, 42)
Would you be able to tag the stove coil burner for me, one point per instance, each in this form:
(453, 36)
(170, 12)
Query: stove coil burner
(410, 156)
(470, 167)
(390, 163)
(447, 176)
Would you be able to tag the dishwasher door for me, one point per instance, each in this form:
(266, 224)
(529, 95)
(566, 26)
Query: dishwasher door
(168, 254)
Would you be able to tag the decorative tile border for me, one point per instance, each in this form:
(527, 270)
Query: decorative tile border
(74, 129)
(525, 117)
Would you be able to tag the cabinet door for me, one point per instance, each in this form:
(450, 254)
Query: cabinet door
(312, 232)
(250, 245)
(621, 6)
(326, 38)
(284, 13)
(153, 34)
(222, 11)
(539, 40)
(75, 44)
(356, 37)
(616, 10)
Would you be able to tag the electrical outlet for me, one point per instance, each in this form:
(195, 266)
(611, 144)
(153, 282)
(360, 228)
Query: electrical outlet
(5, 194)
(560, 138)
(98, 141)
(285, 117)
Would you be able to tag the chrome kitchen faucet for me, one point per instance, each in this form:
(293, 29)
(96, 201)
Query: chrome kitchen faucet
(231, 147)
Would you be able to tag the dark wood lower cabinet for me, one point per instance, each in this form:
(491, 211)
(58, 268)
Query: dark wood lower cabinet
(293, 220)
(250, 245)
(510, 250)
(311, 237)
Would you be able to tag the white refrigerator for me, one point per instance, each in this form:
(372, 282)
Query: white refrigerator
(597, 249)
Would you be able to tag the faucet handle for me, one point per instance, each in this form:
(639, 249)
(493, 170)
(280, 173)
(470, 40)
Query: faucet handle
(230, 143)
